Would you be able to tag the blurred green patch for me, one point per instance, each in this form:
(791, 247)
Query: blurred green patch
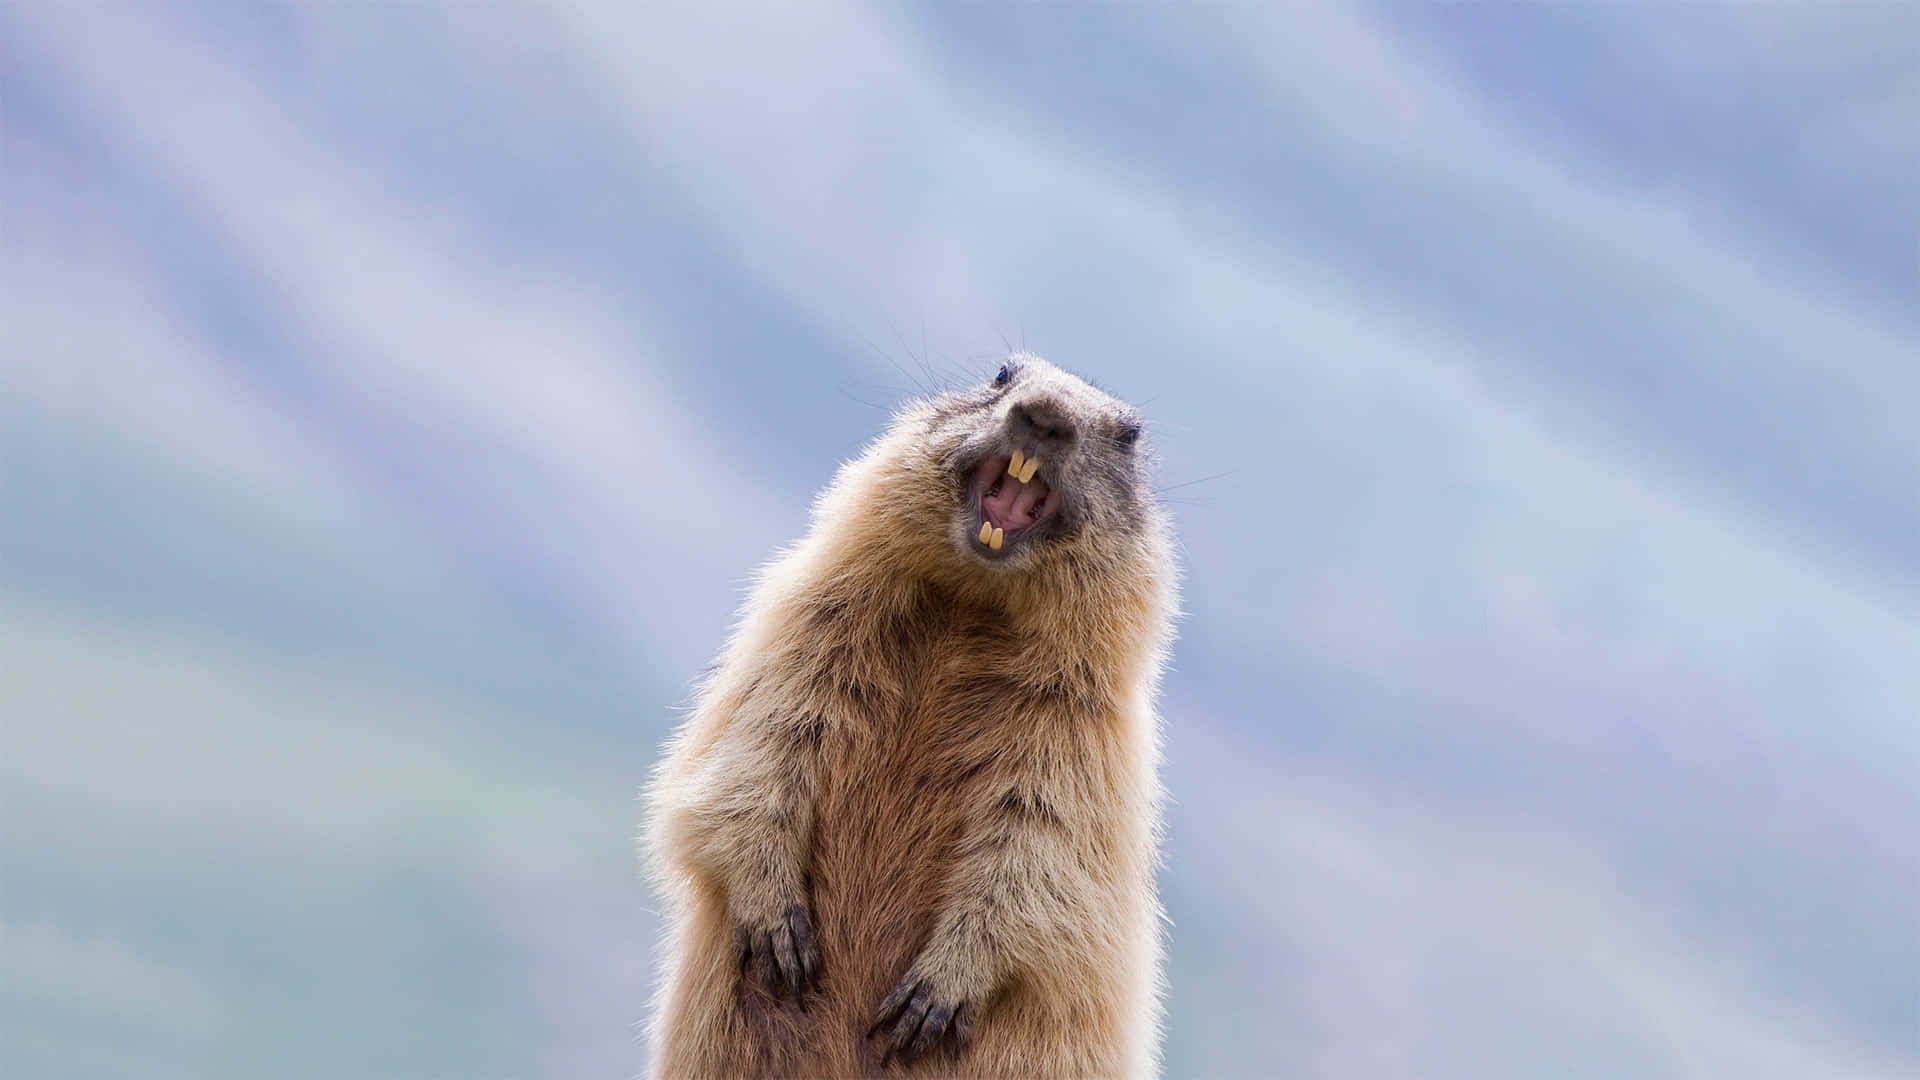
(240, 871)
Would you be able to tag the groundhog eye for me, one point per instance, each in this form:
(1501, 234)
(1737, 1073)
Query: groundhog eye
(1005, 376)
(1127, 436)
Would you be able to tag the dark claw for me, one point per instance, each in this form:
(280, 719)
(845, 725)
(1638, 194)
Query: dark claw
(789, 954)
(920, 1022)
(789, 963)
(895, 1001)
(804, 943)
(910, 1020)
(931, 1030)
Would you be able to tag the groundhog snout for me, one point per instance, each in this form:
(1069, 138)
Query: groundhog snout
(1040, 423)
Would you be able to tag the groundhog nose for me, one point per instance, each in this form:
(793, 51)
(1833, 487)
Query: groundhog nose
(1042, 421)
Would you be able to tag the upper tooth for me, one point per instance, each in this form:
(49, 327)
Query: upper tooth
(1033, 466)
(1013, 467)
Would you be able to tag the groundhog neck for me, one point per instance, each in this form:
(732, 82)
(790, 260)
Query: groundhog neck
(1102, 610)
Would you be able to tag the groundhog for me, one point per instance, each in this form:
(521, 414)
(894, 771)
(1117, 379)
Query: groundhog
(910, 825)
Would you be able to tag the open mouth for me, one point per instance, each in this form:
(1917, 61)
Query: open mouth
(1013, 498)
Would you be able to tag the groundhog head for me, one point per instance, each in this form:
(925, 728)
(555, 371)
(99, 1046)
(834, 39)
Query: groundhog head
(1037, 461)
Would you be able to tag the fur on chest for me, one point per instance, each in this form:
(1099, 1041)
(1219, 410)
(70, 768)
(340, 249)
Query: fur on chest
(930, 666)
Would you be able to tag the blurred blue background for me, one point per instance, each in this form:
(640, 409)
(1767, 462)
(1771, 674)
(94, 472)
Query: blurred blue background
(395, 397)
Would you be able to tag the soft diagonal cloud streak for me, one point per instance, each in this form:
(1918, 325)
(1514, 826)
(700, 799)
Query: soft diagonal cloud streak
(1386, 907)
(381, 292)
(1545, 700)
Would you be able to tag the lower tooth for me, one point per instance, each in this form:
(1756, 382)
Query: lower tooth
(986, 531)
(994, 542)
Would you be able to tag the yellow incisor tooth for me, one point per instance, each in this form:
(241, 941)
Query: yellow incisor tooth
(1033, 466)
(1013, 467)
(986, 531)
(994, 542)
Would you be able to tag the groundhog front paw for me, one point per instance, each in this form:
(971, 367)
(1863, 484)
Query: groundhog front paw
(788, 954)
(920, 1015)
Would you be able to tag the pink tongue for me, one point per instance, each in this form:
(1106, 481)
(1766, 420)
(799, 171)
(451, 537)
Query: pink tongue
(1012, 506)
(999, 504)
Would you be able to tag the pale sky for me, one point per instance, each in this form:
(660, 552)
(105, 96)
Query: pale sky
(395, 399)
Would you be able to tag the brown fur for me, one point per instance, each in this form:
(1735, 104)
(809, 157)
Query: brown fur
(950, 760)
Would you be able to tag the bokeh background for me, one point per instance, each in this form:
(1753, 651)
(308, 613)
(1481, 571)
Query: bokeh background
(395, 397)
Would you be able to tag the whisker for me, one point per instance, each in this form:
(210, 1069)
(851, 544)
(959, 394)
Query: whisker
(1190, 483)
(924, 389)
(851, 396)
